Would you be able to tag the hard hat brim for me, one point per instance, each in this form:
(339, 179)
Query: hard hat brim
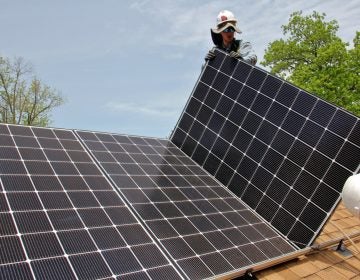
(218, 30)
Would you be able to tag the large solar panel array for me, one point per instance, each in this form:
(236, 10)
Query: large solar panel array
(205, 229)
(91, 205)
(60, 218)
(86, 205)
(283, 151)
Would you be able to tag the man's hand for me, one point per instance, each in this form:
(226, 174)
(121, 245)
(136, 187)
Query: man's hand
(210, 55)
(234, 54)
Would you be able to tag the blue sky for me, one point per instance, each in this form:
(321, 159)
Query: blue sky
(130, 66)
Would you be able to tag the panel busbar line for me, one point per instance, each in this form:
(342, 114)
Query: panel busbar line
(284, 152)
(60, 218)
(205, 228)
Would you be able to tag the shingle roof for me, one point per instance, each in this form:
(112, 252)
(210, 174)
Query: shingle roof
(325, 263)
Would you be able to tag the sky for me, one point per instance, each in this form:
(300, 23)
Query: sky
(130, 66)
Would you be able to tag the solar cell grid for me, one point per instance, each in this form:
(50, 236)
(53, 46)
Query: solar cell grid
(304, 146)
(56, 223)
(150, 208)
(181, 205)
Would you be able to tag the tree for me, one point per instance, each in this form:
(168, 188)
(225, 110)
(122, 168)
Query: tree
(24, 99)
(312, 57)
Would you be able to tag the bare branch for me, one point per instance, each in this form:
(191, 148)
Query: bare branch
(24, 100)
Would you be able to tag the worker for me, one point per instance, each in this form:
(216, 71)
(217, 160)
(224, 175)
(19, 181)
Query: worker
(223, 36)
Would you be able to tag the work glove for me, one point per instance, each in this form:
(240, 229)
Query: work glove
(210, 55)
(234, 54)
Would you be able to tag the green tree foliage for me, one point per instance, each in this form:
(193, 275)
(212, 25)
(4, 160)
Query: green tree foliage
(312, 57)
(24, 99)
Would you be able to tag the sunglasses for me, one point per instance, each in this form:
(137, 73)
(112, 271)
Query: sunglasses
(229, 29)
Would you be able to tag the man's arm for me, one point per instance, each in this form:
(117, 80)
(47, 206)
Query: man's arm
(247, 53)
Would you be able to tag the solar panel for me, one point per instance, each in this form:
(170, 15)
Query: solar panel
(60, 217)
(201, 225)
(91, 205)
(284, 152)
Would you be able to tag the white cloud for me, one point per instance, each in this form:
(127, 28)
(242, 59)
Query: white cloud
(187, 25)
(177, 23)
(144, 109)
(154, 105)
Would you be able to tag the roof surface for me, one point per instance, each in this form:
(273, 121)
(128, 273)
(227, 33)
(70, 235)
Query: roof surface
(325, 263)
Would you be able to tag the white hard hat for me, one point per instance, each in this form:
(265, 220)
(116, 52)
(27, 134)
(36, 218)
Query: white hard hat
(224, 20)
(225, 16)
(351, 194)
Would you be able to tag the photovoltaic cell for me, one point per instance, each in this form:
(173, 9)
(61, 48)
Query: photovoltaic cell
(284, 152)
(60, 217)
(198, 222)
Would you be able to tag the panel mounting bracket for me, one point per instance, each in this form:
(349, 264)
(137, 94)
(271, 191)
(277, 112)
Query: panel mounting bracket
(341, 249)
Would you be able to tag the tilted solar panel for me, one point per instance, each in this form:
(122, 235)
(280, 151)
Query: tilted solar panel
(283, 151)
(60, 218)
(201, 225)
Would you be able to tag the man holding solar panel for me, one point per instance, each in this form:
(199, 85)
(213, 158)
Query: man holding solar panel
(223, 36)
